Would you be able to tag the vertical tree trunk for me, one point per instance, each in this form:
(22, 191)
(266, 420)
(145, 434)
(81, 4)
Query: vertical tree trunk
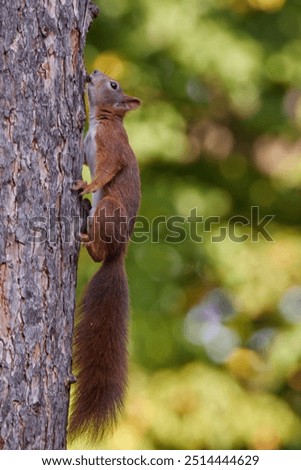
(41, 121)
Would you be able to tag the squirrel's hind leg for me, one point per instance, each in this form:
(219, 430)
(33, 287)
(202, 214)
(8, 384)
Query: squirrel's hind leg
(112, 227)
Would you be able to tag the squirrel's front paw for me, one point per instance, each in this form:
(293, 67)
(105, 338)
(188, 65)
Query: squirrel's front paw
(79, 184)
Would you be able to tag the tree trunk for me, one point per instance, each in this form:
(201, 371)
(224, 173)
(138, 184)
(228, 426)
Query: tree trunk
(41, 120)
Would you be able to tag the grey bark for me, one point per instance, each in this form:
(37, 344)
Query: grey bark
(41, 121)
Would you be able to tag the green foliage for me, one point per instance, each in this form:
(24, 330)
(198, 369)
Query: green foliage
(216, 344)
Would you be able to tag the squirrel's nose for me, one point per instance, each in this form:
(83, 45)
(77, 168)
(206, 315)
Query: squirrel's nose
(88, 78)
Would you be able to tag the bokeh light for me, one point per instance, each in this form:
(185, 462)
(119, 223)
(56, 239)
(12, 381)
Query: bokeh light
(290, 305)
(215, 341)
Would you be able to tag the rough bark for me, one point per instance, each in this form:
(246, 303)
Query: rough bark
(41, 120)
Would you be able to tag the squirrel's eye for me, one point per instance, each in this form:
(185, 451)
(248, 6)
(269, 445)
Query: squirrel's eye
(114, 85)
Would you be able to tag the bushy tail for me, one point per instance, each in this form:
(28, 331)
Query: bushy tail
(100, 357)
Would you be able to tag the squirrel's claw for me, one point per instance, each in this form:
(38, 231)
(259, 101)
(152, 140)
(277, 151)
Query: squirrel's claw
(79, 184)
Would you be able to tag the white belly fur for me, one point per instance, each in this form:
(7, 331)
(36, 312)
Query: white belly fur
(90, 152)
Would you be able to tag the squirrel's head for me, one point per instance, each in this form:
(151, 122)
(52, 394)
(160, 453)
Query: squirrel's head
(107, 94)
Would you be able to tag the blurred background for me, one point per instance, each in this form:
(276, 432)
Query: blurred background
(215, 352)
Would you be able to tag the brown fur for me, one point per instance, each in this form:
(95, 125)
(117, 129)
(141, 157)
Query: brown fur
(101, 333)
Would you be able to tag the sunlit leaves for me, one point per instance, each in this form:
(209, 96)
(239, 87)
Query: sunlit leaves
(199, 407)
(157, 132)
(219, 132)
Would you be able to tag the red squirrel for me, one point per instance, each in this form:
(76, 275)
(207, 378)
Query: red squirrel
(101, 334)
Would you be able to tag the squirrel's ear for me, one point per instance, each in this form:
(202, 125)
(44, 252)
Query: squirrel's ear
(128, 103)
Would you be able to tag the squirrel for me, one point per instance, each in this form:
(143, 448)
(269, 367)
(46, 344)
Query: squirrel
(100, 339)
